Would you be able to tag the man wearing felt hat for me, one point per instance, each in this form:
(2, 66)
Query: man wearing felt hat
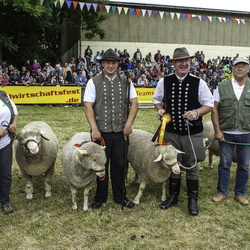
(231, 120)
(105, 106)
(186, 98)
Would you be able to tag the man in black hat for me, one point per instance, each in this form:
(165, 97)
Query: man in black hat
(186, 98)
(105, 106)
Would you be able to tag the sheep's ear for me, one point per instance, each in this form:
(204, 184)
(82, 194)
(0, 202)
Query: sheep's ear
(83, 152)
(159, 158)
(43, 133)
(180, 152)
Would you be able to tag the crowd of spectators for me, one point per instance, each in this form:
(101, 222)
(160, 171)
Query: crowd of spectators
(146, 70)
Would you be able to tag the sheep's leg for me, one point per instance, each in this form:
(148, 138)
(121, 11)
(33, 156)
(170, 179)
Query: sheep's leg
(210, 157)
(47, 186)
(47, 182)
(86, 198)
(201, 165)
(164, 193)
(29, 190)
(73, 195)
(28, 185)
(138, 196)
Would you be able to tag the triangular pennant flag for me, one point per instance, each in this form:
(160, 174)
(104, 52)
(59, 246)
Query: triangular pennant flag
(143, 12)
(234, 20)
(54, 3)
(214, 18)
(209, 18)
(224, 19)
(125, 10)
(199, 17)
(61, 3)
(183, 16)
(220, 19)
(228, 20)
(189, 16)
(88, 6)
(119, 10)
(178, 15)
(167, 14)
(107, 8)
(161, 14)
(95, 6)
(131, 11)
(172, 15)
(113, 9)
(204, 18)
(81, 5)
(101, 6)
(138, 11)
(41, 2)
(75, 4)
(243, 21)
(68, 3)
(194, 16)
(149, 12)
(155, 12)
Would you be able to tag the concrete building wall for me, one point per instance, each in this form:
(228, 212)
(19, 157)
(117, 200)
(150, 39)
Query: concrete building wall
(125, 31)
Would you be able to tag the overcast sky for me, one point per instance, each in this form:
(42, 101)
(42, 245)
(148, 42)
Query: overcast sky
(242, 5)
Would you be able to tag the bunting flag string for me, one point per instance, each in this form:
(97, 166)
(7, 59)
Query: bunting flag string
(142, 12)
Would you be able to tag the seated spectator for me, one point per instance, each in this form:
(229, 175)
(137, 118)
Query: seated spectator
(57, 79)
(154, 81)
(4, 79)
(48, 67)
(15, 78)
(148, 64)
(58, 69)
(72, 64)
(27, 79)
(28, 66)
(80, 62)
(66, 73)
(143, 81)
(42, 78)
(81, 81)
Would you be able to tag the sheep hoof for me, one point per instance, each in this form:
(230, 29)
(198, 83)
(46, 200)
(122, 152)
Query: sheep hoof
(47, 195)
(74, 207)
(136, 202)
(29, 196)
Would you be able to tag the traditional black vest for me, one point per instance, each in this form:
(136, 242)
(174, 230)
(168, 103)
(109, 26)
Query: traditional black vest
(180, 97)
(111, 103)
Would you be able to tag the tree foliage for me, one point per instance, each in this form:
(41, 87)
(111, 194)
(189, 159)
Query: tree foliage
(31, 31)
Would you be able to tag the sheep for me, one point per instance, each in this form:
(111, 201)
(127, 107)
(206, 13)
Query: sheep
(36, 152)
(150, 161)
(82, 160)
(212, 145)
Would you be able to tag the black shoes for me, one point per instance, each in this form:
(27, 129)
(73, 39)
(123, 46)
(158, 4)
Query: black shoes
(127, 203)
(171, 201)
(96, 204)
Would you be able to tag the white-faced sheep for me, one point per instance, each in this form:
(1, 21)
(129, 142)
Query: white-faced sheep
(212, 144)
(82, 161)
(150, 161)
(36, 151)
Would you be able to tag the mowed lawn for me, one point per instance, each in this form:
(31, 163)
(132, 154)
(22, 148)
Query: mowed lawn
(51, 224)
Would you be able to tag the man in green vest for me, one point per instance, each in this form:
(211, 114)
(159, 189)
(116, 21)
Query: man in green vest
(106, 109)
(231, 120)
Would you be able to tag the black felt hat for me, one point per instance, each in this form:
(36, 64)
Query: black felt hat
(110, 55)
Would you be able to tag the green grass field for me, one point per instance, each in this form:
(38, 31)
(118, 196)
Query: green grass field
(51, 224)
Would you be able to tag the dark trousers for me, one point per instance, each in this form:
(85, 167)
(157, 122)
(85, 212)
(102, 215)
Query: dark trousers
(5, 173)
(115, 146)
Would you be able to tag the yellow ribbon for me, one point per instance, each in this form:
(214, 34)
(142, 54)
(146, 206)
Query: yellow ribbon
(165, 119)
